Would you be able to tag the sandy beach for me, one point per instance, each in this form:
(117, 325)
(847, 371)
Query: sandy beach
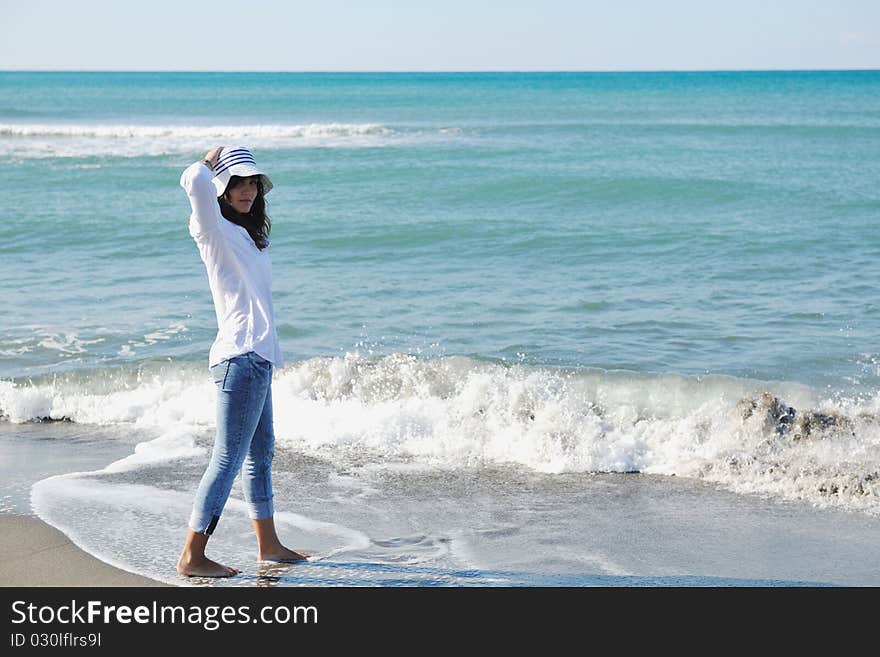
(33, 553)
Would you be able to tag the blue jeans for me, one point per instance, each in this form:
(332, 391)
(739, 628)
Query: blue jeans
(245, 441)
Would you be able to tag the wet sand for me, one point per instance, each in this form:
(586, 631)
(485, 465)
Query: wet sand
(33, 553)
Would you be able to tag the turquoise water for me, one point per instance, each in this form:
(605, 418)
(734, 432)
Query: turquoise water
(674, 222)
(560, 273)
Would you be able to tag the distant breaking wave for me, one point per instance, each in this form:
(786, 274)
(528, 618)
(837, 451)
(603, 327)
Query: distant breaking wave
(457, 412)
(81, 139)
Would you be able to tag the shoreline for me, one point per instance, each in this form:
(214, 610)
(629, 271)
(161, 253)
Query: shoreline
(33, 554)
(475, 528)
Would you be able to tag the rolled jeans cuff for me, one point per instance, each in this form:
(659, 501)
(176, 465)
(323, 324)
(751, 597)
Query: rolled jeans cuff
(203, 524)
(261, 510)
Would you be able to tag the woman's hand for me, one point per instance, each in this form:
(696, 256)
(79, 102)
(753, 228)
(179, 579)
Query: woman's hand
(211, 156)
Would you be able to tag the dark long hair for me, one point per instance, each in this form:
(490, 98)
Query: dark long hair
(256, 222)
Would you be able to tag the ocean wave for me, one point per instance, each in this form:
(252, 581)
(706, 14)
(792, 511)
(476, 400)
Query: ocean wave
(46, 347)
(79, 140)
(778, 440)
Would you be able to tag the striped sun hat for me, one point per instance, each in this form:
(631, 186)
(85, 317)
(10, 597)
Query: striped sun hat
(237, 161)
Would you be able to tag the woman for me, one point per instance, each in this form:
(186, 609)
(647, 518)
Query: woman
(230, 226)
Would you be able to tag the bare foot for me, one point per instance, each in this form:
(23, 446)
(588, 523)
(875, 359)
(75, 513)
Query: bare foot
(204, 567)
(282, 555)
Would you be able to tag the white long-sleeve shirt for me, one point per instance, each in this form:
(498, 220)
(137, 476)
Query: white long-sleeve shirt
(240, 275)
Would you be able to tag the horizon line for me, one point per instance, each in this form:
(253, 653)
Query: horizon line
(434, 71)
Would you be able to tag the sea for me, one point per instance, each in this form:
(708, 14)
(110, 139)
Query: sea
(540, 329)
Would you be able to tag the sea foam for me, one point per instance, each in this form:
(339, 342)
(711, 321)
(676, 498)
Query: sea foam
(779, 440)
(32, 140)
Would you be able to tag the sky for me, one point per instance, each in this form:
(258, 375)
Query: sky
(447, 35)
